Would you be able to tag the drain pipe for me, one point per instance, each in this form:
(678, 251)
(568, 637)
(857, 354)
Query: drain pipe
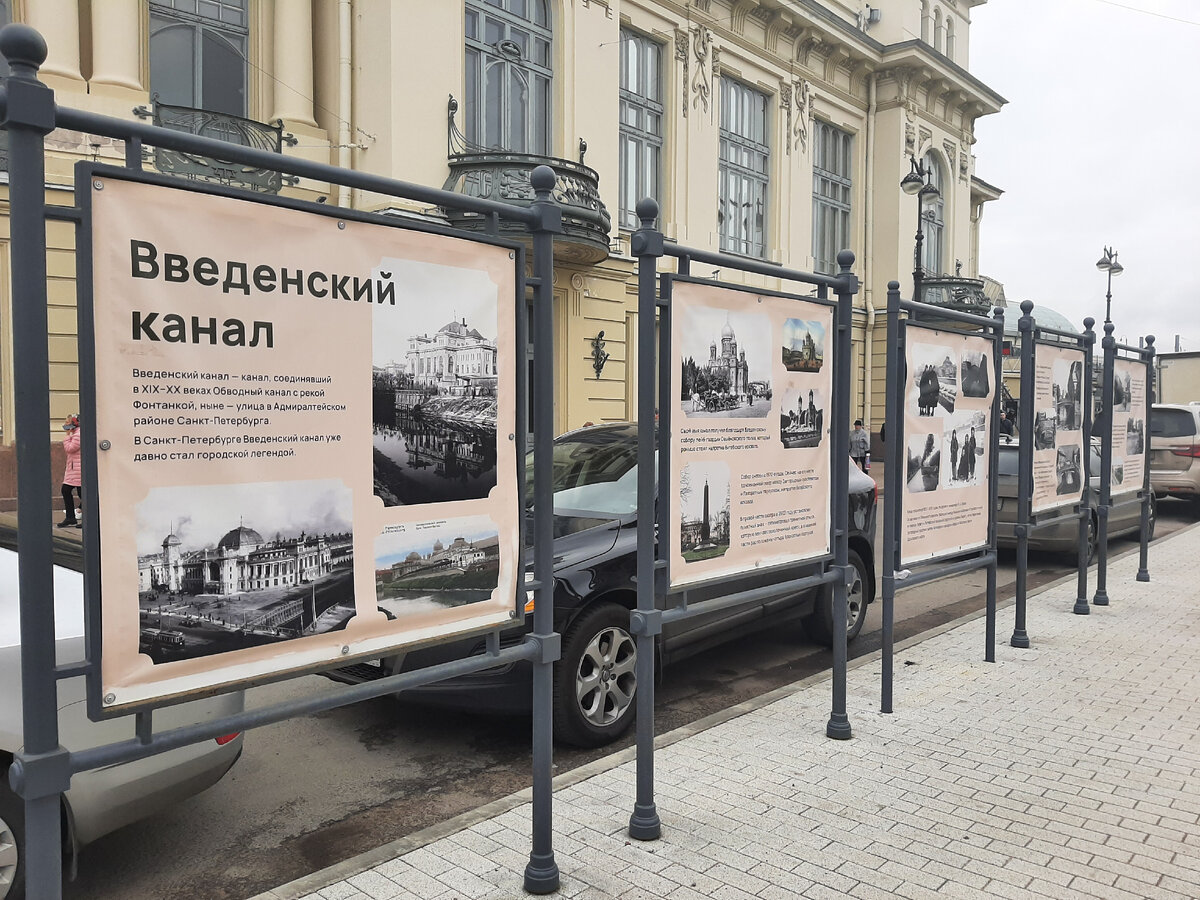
(869, 252)
(345, 44)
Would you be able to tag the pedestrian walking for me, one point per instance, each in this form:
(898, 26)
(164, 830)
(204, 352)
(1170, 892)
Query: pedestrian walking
(72, 474)
(860, 445)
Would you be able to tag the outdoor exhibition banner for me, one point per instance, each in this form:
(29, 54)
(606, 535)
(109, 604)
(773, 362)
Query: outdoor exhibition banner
(750, 458)
(1128, 426)
(1058, 427)
(305, 430)
(947, 422)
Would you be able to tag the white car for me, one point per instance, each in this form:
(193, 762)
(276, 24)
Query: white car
(100, 800)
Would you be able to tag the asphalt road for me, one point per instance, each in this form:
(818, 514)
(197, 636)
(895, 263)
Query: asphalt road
(311, 792)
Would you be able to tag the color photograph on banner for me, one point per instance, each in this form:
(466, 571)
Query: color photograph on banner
(305, 438)
(948, 396)
(750, 463)
(1128, 426)
(1058, 427)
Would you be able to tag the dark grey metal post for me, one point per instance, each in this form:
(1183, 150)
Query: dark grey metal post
(541, 873)
(1085, 503)
(993, 568)
(892, 490)
(43, 763)
(1025, 325)
(839, 724)
(1109, 345)
(646, 621)
(1143, 573)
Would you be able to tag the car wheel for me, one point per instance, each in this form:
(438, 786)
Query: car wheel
(819, 624)
(1152, 520)
(12, 843)
(595, 681)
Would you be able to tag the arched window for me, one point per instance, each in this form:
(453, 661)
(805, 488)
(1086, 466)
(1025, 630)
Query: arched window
(939, 32)
(949, 37)
(508, 75)
(198, 58)
(926, 22)
(934, 214)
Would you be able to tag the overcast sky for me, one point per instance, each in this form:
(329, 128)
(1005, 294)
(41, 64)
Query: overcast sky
(1098, 145)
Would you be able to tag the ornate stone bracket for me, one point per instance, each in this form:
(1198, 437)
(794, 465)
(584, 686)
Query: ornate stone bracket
(702, 50)
(802, 91)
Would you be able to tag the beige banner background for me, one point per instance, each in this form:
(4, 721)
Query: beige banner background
(1058, 428)
(763, 460)
(947, 433)
(319, 337)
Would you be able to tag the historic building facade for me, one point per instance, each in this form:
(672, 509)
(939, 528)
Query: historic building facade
(455, 358)
(776, 129)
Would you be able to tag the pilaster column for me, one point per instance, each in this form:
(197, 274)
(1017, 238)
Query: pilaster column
(58, 21)
(293, 38)
(117, 42)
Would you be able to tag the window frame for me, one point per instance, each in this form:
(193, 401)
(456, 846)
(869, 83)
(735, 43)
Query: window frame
(647, 174)
(832, 196)
(754, 146)
(933, 217)
(200, 25)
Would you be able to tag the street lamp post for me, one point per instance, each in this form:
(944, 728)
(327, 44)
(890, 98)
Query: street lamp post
(917, 182)
(1108, 263)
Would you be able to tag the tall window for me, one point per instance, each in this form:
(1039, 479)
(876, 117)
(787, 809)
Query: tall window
(934, 214)
(743, 171)
(833, 162)
(198, 54)
(508, 75)
(641, 122)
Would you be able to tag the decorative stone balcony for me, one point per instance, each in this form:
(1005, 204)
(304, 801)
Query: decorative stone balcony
(502, 176)
(219, 126)
(957, 293)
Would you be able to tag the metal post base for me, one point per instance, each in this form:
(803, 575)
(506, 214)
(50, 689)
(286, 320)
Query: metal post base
(541, 875)
(838, 727)
(1143, 575)
(1101, 598)
(1081, 607)
(644, 824)
(1020, 639)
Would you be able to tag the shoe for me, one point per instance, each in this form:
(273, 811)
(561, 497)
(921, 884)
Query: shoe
(79, 525)
(68, 523)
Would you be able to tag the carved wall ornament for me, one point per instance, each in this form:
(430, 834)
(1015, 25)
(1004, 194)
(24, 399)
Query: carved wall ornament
(924, 139)
(682, 54)
(716, 64)
(802, 91)
(701, 50)
(702, 5)
(951, 152)
(785, 103)
(910, 136)
(964, 165)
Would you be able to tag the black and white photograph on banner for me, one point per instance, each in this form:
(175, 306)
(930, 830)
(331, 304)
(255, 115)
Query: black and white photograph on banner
(935, 379)
(726, 364)
(436, 565)
(224, 567)
(924, 463)
(801, 418)
(1044, 429)
(1135, 437)
(964, 442)
(1121, 391)
(1118, 471)
(976, 379)
(704, 510)
(434, 380)
(803, 345)
(1068, 471)
(1067, 389)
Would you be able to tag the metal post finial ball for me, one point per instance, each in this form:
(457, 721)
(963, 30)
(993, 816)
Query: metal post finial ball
(1149, 341)
(22, 46)
(1109, 328)
(1088, 323)
(647, 211)
(893, 285)
(543, 179)
(845, 258)
(1026, 307)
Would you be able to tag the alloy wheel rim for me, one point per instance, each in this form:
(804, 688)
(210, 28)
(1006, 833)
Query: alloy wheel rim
(8, 858)
(606, 680)
(854, 600)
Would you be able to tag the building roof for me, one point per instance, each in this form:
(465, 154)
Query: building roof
(240, 537)
(1043, 316)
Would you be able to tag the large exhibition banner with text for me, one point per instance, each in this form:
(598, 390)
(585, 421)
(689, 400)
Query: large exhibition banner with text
(306, 438)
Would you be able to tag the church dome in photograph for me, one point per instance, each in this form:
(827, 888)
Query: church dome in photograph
(240, 538)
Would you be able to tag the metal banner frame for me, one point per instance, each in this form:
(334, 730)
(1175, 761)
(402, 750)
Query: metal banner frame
(43, 769)
(1027, 521)
(1145, 495)
(654, 420)
(895, 578)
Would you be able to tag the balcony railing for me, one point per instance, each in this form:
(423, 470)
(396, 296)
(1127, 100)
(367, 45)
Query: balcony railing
(956, 292)
(268, 136)
(499, 175)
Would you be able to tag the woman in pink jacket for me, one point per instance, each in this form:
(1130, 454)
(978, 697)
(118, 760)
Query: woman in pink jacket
(71, 476)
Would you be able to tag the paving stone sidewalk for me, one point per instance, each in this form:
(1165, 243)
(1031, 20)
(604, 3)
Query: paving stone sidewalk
(1068, 770)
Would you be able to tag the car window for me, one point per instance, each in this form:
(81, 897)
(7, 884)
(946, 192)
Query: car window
(1007, 461)
(1172, 422)
(595, 472)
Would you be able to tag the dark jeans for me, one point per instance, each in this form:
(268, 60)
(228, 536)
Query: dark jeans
(861, 462)
(68, 500)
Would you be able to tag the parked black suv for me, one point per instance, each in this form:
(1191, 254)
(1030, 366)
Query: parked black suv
(595, 491)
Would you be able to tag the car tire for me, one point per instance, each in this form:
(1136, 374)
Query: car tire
(819, 624)
(1153, 519)
(12, 843)
(595, 681)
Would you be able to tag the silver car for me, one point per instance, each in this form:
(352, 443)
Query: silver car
(101, 800)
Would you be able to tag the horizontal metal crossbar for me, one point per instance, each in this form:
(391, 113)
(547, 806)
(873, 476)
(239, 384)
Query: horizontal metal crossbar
(716, 604)
(954, 568)
(726, 261)
(940, 312)
(1072, 336)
